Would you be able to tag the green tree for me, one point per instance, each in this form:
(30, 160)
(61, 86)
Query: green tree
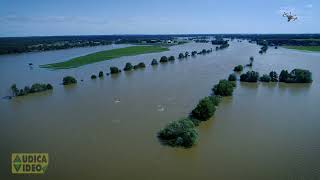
(204, 110)
(232, 77)
(154, 62)
(284, 75)
(250, 76)
(224, 88)
(181, 56)
(193, 53)
(93, 76)
(100, 74)
(114, 70)
(69, 80)
(128, 67)
(163, 59)
(14, 90)
(265, 78)
(171, 58)
(238, 68)
(179, 133)
(274, 76)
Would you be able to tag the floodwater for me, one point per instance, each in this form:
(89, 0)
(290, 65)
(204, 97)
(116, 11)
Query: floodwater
(106, 128)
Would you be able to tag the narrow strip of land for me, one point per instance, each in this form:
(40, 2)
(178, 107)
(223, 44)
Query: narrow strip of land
(104, 55)
(304, 48)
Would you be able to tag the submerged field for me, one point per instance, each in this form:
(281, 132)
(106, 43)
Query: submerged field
(304, 48)
(104, 55)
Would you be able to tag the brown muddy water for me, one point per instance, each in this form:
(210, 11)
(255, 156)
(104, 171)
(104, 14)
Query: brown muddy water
(265, 131)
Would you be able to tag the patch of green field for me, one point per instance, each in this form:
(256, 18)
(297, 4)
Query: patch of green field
(104, 55)
(304, 48)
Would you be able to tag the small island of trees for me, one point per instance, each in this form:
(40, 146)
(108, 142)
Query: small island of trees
(163, 59)
(139, 66)
(154, 62)
(128, 67)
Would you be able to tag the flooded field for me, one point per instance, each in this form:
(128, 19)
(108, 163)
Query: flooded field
(265, 131)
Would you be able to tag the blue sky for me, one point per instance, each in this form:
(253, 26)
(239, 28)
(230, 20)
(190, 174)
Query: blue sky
(93, 17)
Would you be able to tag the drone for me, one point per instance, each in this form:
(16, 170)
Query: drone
(290, 16)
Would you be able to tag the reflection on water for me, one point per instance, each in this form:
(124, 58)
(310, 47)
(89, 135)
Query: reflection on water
(265, 131)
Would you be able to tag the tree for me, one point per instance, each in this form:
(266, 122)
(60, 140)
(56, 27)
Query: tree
(265, 78)
(93, 76)
(251, 59)
(193, 53)
(171, 58)
(181, 56)
(114, 70)
(232, 77)
(250, 76)
(140, 65)
(163, 59)
(274, 76)
(69, 80)
(14, 90)
(154, 62)
(128, 67)
(283, 76)
(100, 74)
(238, 68)
(179, 133)
(215, 100)
(224, 88)
(186, 54)
(49, 87)
(204, 110)
(299, 76)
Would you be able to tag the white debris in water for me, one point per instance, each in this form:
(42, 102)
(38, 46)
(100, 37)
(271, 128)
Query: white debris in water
(116, 100)
(160, 108)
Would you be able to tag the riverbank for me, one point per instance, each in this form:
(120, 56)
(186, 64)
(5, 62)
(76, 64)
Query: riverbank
(304, 48)
(104, 55)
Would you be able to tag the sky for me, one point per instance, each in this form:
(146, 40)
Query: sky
(107, 17)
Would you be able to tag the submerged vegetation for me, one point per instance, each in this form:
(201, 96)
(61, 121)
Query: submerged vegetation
(250, 76)
(105, 55)
(37, 87)
(114, 70)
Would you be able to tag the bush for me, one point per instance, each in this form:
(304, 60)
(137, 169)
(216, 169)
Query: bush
(179, 133)
(114, 70)
(284, 75)
(238, 68)
(171, 58)
(224, 88)
(128, 67)
(93, 76)
(181, 55)
(163, 59)
(204, 110)
(100, 74)
(186, 54)
(265, 78)
(69, 80)
(250, 76)
(274, 76)
(193, 53)
(154, 62)
(232, 77)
